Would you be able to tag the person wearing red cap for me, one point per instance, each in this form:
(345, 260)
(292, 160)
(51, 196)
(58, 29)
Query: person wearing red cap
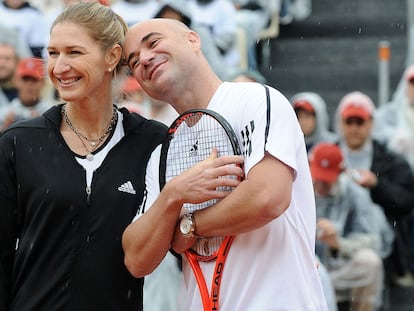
(29, 80)
(384, 174)
(349, 231)
(311, 111)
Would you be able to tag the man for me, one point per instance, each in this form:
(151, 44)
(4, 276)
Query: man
(313, 118)
(349, 231)
(271, 263)
(29, 80)
(397, 120)
(384, 174)
(12, 48)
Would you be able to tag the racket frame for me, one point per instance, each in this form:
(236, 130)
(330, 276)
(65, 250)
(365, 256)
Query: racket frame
(210, 300)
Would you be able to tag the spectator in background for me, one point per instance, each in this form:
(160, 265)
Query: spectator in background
(9, 36)
(131, 95)
(385, 175)
(294, 10)
(396, 120)
(29, 80)
(8, 64)
(12, 48)
(219, 17)
(349, 229)
(179, 10)
(28, 21)
(247, 75)
(252, 17)
(310, 109)
(160, 111)
(133, 11)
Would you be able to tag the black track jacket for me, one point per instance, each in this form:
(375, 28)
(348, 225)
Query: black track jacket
(69, 254)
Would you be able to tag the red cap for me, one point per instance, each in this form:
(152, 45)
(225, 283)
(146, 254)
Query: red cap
(326, 162)
(356, 104)
(31, 67)
(130, 85)
(303, 104)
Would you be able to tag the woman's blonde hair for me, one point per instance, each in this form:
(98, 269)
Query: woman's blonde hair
(105, 26)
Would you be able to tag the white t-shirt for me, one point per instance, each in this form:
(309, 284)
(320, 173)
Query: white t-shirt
(273, 267)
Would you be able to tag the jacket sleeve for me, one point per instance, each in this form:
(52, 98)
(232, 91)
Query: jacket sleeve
(394, 191)
(8, 222)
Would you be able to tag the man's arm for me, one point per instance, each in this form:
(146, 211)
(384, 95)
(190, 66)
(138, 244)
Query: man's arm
(262, 197)
(147, 240)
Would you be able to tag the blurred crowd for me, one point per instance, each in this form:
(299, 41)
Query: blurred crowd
(362, 161)
(230, 31)
(363, 178)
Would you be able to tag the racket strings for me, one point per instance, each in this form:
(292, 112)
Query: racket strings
(192, 142)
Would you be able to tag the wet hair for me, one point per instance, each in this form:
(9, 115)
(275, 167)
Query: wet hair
(105, 26)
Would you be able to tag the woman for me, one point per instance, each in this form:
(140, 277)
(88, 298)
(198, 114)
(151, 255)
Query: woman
(73, 179)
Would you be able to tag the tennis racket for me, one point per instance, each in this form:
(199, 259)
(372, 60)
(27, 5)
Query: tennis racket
(191, 138)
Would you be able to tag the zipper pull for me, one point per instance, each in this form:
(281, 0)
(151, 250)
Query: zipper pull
(88, 194)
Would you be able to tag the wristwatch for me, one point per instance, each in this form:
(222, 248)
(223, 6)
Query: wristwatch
(187, 225)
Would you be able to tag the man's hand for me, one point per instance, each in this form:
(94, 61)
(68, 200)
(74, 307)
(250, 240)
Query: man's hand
(366, 179)
(326, 233)
(201, 182)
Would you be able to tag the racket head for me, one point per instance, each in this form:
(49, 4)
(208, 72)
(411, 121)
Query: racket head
(174, 136)
(191, 139)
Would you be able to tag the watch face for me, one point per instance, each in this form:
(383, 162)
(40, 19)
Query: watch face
(186, 225)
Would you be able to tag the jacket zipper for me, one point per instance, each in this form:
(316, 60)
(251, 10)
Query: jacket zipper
(88, 194)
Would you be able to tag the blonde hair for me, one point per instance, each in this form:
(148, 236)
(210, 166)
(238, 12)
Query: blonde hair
(105, 26)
